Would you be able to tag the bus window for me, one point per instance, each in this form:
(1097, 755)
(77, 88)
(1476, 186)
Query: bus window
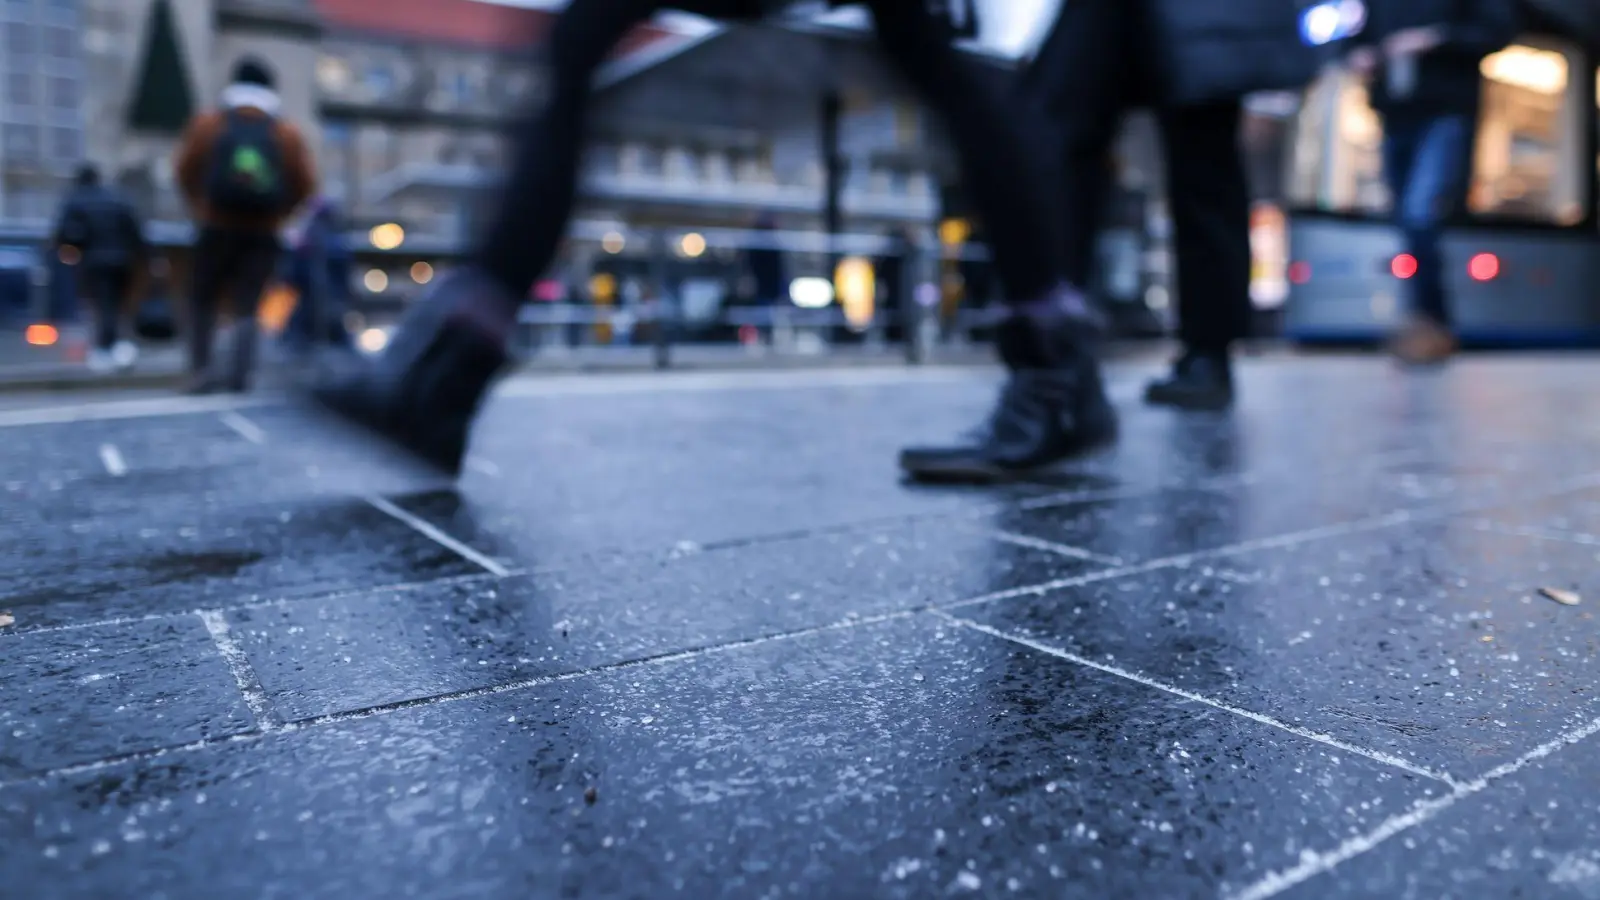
(1529, 159)
(1337, 156)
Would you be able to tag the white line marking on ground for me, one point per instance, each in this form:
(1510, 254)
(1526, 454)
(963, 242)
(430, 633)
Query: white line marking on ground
(244, 674)
(123, 409)
(428, 530)
(245, 428)
(1293, 539)
(483, 466)
(112, 458)
(1147, 681)
(1022, 540)
(1313, 864)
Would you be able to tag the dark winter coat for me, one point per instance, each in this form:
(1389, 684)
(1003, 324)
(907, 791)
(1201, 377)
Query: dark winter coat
(102, 225)
(1185, 52)
(1448, 77)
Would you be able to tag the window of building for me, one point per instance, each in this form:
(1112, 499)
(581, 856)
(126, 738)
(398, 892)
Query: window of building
(460, 88)
(64, 93)
(379, 81)
(66, 144)
(19, 44)
(22, 143)
(60, 43)
(62, 12)
(19, 89)
(1527, 162)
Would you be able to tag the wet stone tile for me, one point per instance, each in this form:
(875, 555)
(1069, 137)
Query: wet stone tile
(644, 472)
(354, 652)
(1428, 641)
(1531, 834)
(903, 759)
(179, 561)
(1178, 521)
(39, 454)
(1573, 516)
(93, 693)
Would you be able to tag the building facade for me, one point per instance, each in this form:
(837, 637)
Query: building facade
(408, 102)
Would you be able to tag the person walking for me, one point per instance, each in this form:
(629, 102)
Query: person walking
(243, 170)
(102, 225)
(424, 390)
(1422, 58)
(1192, 62)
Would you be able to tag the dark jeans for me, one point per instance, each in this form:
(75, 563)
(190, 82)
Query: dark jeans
(236, 265)
(1094, 67)
(1001, 172)
(1426, 161)
(109, 289)
(318, 316)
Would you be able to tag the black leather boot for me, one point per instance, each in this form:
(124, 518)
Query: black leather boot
(1053, 406)
(423, 392)
(1199, 381)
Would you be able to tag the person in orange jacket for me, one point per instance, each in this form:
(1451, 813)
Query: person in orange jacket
(243, 170)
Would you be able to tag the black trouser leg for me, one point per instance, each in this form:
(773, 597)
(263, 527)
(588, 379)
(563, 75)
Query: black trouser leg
(254, 262)
(109, 287)
(1210, 201)
(526, 228)
(1087, 75)
(1008, 184)
(212, 260)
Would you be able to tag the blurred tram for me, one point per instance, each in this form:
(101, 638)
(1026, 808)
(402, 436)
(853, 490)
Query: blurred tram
(1523, 257)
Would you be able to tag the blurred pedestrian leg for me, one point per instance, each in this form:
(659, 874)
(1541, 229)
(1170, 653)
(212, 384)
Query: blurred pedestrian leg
(1192, 63)
(423, 392)
(1422, 59)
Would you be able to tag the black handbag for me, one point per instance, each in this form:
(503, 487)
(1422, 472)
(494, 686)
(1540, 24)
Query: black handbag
(1577, 19)
(1209, 51)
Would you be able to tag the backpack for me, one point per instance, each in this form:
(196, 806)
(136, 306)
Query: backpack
(246, 176)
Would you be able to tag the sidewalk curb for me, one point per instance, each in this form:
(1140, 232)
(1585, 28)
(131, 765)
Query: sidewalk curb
(71, 380)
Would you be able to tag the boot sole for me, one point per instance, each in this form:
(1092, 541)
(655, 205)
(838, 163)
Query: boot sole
(1214, 403)
(973, 473)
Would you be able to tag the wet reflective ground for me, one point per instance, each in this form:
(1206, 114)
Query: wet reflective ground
(689, 635)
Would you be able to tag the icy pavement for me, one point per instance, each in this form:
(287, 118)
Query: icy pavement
(688, 634)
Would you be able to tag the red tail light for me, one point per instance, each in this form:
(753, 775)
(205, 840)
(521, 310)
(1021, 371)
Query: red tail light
(1484, 267)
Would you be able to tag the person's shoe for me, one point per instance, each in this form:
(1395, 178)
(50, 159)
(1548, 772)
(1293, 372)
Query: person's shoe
(1199, 381)
(1423, 342)
(423, 391)
(200, 384)
(100, 362)
(124, 354)
(1053, 406)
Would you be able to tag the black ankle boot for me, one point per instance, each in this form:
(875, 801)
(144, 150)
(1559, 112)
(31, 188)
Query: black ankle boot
(1199, 381)
(1053, 407)
(424, 391)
